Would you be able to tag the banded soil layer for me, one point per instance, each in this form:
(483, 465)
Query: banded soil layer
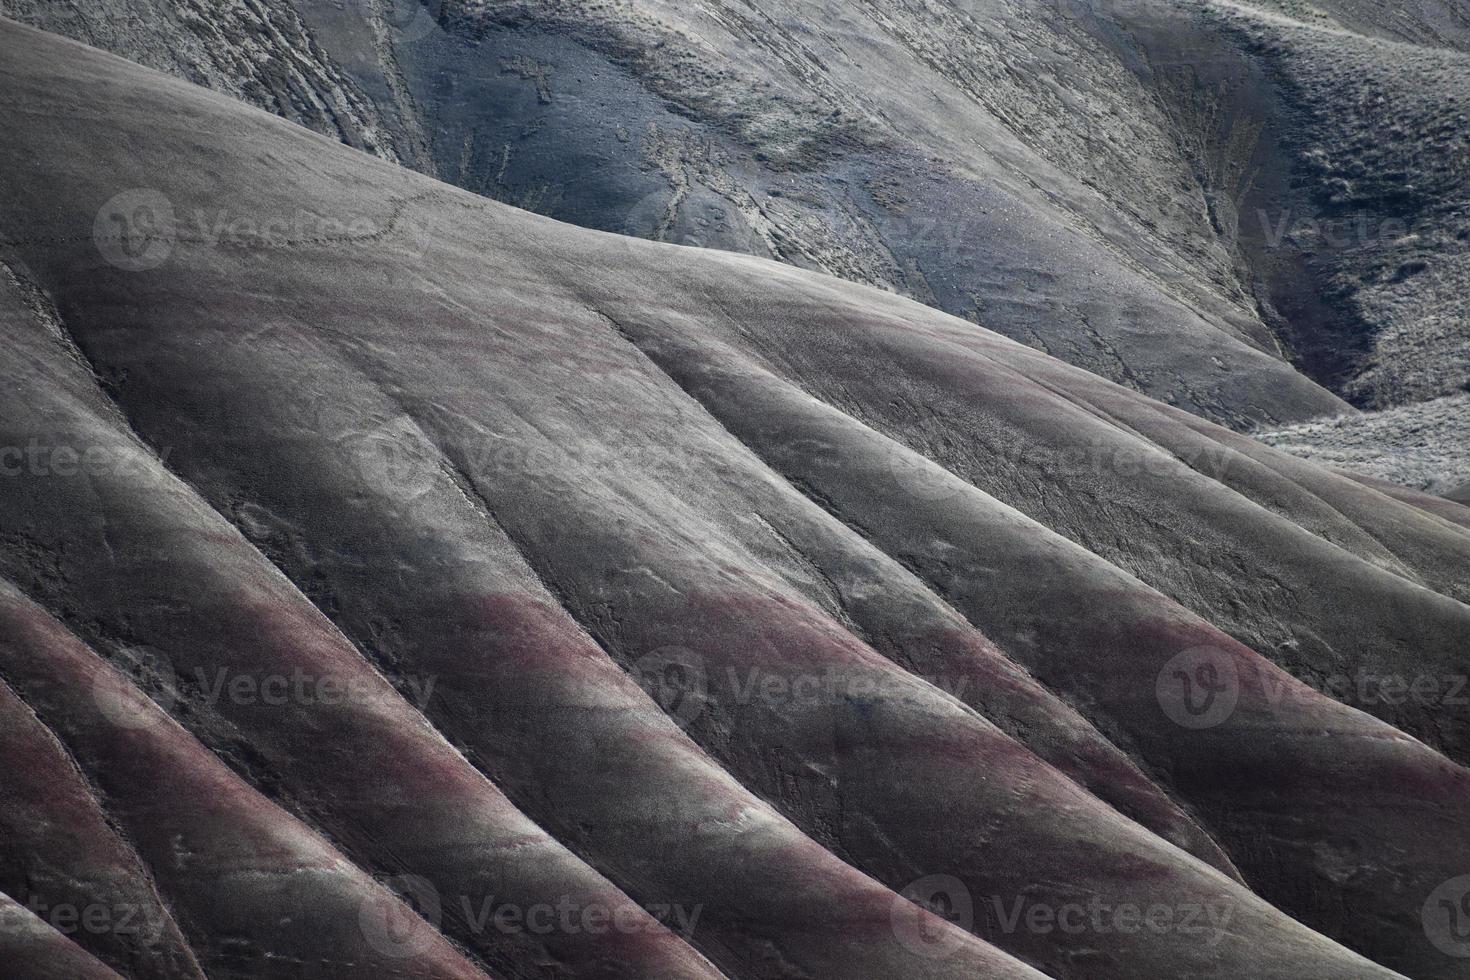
(397, 583)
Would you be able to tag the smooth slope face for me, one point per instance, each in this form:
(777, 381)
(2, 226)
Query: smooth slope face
(643, 611)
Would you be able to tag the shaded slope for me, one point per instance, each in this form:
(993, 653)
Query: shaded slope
(61, 854)
(260, 895)
(35, 951)
(539, 466)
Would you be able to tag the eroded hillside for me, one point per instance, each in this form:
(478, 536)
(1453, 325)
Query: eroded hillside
(378, 557)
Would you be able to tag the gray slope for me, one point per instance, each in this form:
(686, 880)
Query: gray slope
(524, 458)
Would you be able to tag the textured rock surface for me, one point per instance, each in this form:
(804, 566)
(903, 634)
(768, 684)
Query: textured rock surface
(1208, 201)
(356, 527)
(1425, 446)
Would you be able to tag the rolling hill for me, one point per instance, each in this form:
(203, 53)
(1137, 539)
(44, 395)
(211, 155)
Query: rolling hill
(1251, 210)
(394, 582)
